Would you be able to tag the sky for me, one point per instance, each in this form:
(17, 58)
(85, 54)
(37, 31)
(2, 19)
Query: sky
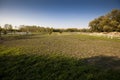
(54, 13)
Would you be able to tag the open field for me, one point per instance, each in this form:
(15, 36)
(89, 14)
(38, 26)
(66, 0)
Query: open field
(66, 56)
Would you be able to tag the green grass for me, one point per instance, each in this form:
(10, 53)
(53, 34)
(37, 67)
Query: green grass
(66, 56)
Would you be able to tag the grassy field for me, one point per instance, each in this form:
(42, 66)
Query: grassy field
(66, 56)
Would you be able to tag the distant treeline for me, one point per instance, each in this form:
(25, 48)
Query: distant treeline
(8, 28)
(107, 23)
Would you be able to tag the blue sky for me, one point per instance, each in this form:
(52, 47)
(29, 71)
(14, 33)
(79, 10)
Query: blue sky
(54, 13)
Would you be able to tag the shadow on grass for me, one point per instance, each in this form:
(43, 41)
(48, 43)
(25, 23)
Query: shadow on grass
(34, 67)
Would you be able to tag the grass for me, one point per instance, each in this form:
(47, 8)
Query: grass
(66, 56)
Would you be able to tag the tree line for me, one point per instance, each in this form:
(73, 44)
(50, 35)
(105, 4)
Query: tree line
(50, 30)
(8, 28)
(107, 23)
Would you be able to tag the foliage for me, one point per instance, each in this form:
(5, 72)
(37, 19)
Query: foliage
(107, 23)
(34, 28)
(72, 30)
(0, 31)
(8, 28)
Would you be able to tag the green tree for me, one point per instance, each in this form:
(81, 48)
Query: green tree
(50, 31)
(106, 28)
(94, 25)
(0, 31)
(118, 28)
(60, 31)
(109, 22)
(8, 28)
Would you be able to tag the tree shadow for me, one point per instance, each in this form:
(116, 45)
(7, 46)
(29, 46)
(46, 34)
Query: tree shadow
(46, 67)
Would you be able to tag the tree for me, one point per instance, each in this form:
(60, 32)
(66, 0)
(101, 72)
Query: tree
(114, 15)
(24, 28)
(0, 31)
(72, 30)
(94, 25)
(50, 30)
(4, 31)
(60, 31)
(108, 22)
(8, 28)
(106, 28)
(118, 28)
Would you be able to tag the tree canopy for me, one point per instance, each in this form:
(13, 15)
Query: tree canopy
(107, 23)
